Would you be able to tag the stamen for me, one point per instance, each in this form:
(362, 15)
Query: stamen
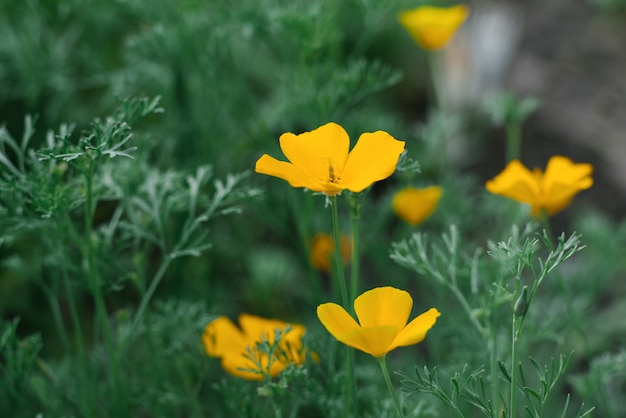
(331, 173)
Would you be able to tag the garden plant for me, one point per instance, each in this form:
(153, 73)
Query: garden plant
(281, 208)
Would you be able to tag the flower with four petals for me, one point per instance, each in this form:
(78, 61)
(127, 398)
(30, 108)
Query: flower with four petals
(383, 313)
(320, 160)
(239, 351)
(551, 191)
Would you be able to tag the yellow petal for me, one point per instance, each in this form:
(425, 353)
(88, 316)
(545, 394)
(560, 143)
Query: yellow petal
(416, 330)
(376, 341)
(373, 158)
(244, 367)
(516, 182)
(222, 337)
(286, 171)
(335, 319)
(564, 178)
(240, 366)
(256, 328)
(433, 27)
(551, 207)
(320, 154)
(414, 205)
(383, 306)
(291, 345)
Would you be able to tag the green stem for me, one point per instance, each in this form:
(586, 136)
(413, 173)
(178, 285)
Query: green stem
(513, 399)
(351, 401)
(350, 404)
(434, 66)
(466, 306)
(92, 270)
(493, 369)
(343, 288)
(147, 297)
(88, 403)
(383, 367)
(355, 214)
(513, 141)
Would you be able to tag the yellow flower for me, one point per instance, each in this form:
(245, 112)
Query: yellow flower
(414, 206)
(551, 191)
(238, 347)
(319, 160)
(323, 248)
(382, 313)
(432, 27)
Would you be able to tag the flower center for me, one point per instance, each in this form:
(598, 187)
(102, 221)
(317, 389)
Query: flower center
(331, 174)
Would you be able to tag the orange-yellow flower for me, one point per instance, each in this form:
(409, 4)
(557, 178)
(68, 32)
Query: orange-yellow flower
(551, 191)
(320, 160)
(414, 205)
(238, 347)
(432, 27)
(383, 313)
(323, 249)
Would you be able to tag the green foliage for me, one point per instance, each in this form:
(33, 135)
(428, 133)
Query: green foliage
(602, 383)
(519, 270)
(122, 236)
(18, 360)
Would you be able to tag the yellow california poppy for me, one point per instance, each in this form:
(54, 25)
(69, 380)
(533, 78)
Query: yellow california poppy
(383, 313)
(237, 347)
(320, 160)
(414, 205)
(323, 248)
(432, 27)
(551, 191)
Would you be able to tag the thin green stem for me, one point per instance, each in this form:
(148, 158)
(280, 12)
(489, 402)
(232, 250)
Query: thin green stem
(466, 306)
(341, 277)
(383, 367)
(513, 398)
(355, 214)
(56, 315)
(147, 297)
(92, 270)
(350, 404)
(513, 141)
(87, 404)
(493, 369)
(434, 67)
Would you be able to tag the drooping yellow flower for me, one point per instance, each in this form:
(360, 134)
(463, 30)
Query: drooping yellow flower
(383, 313)
(414, 205)
(238, 347)
(551, 191)
(323, 248)
(432, 27)
(319, 160)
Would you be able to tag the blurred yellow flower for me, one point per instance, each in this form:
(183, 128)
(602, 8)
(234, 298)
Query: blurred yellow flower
(414, 205)
(319, 160)
(323, 248)
(551, 191)
(238, 347)
(432, 27)
(383, 313)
